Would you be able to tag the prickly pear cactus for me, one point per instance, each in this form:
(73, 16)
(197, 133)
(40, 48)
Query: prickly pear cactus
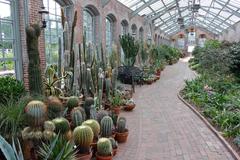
(104, 147)
(94, 125)
(121, 125)
(106, 126)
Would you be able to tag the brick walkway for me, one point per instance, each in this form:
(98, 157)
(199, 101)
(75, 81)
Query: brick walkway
(163, 128)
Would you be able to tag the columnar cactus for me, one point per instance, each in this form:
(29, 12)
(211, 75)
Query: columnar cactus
(106, 126)
(94, 125)
(108, 87)
(104, 147)
(114, 80)
(72, 102)
(89, 101)
(36, 112)
(101, 114)
(62, 125)
(35, 78)
(82, 110)
(93, 113)
(55, 108)
(83, 137)
(76, 117)
(89, 82)
(121, 125)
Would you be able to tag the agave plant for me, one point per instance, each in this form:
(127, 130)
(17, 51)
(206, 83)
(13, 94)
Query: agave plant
(58, 149)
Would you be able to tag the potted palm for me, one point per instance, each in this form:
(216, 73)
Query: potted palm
(104, 149)
(122, 131)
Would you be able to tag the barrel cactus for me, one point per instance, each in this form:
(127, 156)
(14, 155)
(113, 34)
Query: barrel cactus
(94, 125)
(106, 126)
(121, 125)
(114, 143)
(48, 135)
(89, 101)
(72, 102)
(108, 87)
(104, 147)
(55, 107)
(36, 112)
(61, 125)
(82, 110)
(76, 117)
(49, 126)
(101, 114)
(83, 137)
(93, 113)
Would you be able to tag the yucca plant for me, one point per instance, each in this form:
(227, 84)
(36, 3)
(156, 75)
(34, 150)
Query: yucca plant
(58, 149)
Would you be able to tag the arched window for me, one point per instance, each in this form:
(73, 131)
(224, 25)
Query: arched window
(110, 20)
(88, 26)
(53, 31)
(9, 51)
(134, 30)
(124, 27)
(141, 34)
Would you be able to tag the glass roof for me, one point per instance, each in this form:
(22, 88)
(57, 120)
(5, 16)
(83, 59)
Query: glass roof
(213, 15)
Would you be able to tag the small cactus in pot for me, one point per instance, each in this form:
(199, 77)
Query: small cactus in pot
(104, 149)
(121, 132)
(55, 107)
(76, 117)
(94, 125)
(106, 126)
(114, 145)
(72, 102)
(62, 125)
(101, 114)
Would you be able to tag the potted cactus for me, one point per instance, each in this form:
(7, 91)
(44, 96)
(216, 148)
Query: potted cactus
(55, 107)
(106, 126)
(104, 149)
(116, 102)
(129, 105)
(122, 131)
(114, 145)
(62, 126)
(83, 137)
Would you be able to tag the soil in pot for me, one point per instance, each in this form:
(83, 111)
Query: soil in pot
(98, 157)
(121, 137)
(116, 110)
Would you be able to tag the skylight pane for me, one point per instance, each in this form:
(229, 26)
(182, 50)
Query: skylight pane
(234, 18)
(156, 6)
(145, 11)
(225, 14)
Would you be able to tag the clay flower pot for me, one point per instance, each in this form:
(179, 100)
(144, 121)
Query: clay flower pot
(84, 156)
(116, 110)
(98, 157)
(121, 137)
(129, 107)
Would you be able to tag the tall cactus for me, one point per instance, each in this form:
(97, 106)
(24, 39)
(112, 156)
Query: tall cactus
(108, 87)
(106, 126)
(121, 125)
(34, 70)
(36, 112)
(76, 117)
(83, 137)
(104, 147)
(90, 84)
(93, 112)
(114, 80)
(89, 101)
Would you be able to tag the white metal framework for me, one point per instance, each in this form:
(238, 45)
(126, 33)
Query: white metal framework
(212, 15)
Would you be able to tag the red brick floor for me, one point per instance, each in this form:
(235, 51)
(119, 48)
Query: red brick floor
(163, 128)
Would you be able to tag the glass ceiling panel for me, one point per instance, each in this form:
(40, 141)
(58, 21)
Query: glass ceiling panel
(214, 15)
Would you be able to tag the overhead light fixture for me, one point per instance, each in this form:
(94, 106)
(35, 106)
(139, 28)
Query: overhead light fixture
(43, 12)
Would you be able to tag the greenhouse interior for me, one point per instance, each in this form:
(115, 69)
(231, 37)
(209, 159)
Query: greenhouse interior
(119, 79)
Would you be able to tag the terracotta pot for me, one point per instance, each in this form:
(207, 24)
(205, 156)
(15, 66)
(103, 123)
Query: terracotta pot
(115, 151)
(116, 110)
(94, 146)
(129, 107)
(149, 82)
(121, 137)
(84, 156)
(98, 157)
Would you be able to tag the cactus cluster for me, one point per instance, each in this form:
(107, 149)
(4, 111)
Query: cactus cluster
(55, 107)
(36, 112)
(62, 125)
(104, 147)
(121, 125)
(94, 125)
(106, 126)
(83, 137)
(72, 102)
(77, 118)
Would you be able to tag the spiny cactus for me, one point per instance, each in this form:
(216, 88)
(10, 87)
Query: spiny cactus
(114, 80)
(101, 114)
(108, 87)
(106, 126)
(94, 125)
(104, 147)
(34, 70)
(114, 143)
(82, 110)
(55, 107)
(36, 112)
(89, 101)
(121, 125)
(83, 137)
(89, 83)
(62, 125)
(48, 135)
(93, 113)
(76, 117)
(72, 102)
(49, 125)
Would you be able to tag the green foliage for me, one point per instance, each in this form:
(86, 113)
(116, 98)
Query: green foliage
(234, 55)
(57, 149)
(62, 125)
(10, 88)
(121, 125)
(130, 48)
(106, 126)
(116, 100)
(104, 147)
(212, 44)
(94, 125)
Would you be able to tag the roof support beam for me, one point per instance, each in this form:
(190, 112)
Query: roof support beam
(143, 6)
(225, 5)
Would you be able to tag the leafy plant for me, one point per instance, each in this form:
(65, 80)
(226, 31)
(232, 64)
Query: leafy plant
(234, 55)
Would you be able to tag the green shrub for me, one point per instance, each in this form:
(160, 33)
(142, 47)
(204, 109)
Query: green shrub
(234, 55)
(10, 88)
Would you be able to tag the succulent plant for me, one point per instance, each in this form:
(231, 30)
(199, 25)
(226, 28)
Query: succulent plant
(121, 125)
(72, 102)
(101, 114)
(55, 107)
(48, 135)
(94, 125)
(104, 147)
(93, 113)
(108, 87)
(49, 126)
(25, 133)
(82, 110)
(106, 126)
(114, 143)
(89, 101)
(62, 125)
(36, 112)
(114, 80)
(114, 118)
(83, 137)
(76, 117)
